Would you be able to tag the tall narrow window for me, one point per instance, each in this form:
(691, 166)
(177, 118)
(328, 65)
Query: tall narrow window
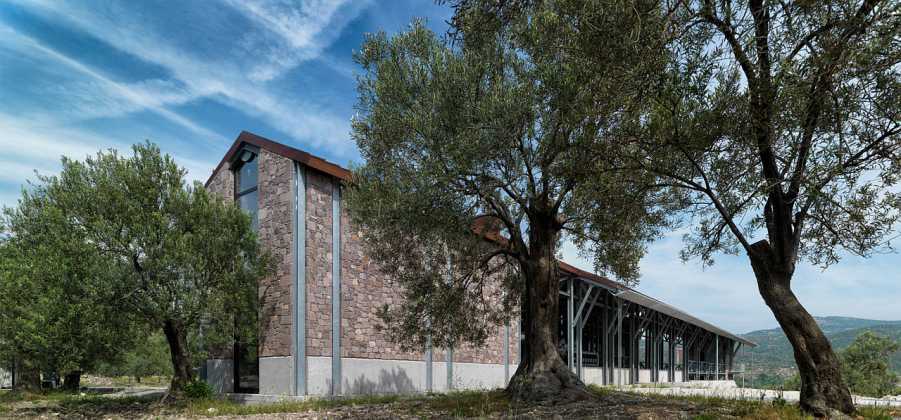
(246, 357)
(246, 185)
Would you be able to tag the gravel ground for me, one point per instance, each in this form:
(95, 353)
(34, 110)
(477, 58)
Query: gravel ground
(752, 394)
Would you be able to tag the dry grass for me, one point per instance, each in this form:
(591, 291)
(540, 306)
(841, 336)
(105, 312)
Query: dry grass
(463, 404)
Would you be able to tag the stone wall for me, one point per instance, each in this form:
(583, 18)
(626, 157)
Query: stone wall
(276, 213)
(319, 263)
(364, 287)
(222, 183)
(364, 290)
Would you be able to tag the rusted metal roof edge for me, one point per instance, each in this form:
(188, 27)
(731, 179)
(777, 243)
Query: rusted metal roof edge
(289, 152)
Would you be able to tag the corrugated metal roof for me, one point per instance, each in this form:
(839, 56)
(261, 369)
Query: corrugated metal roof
(642, 299)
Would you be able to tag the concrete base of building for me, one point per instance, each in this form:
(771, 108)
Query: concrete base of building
(595, 375)
(386, 376)
(277, 375)
(361, 376)
(220, 374)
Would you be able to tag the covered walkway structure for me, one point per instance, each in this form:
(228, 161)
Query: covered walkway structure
(614, 335)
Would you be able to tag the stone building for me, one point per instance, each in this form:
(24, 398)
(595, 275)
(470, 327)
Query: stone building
(318, 330)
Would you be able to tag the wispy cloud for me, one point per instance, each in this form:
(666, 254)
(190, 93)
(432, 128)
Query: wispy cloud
(31, 146)
(125, 98)
(226, 77)
(305, 29)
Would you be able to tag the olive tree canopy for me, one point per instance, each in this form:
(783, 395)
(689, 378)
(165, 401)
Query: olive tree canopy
(496, 136)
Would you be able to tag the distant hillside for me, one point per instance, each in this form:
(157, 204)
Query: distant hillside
(773, 354)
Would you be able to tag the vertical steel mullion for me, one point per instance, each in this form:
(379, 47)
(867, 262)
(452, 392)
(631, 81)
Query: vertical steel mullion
(569, 324)
(716, 360)
(506, 352)
(336, 288)
(428, 363)
(605, 368)
(300, 281)
(619, 340)
(450, 368)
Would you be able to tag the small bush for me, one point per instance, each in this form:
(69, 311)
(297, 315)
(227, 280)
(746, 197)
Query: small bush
(198, 390)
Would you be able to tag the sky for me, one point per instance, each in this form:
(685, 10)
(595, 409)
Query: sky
(80, 76)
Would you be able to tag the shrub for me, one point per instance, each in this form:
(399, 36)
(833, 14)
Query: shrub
(198, 390)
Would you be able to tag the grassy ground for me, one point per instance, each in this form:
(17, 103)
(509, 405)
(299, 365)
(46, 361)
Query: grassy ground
(470, 404)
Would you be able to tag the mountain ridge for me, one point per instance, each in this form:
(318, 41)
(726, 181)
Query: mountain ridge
(773, 358)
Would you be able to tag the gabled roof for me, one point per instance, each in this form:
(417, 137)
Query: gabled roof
(481, 226)
(289, 152)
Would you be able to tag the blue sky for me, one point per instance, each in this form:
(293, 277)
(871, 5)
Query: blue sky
(76, 77)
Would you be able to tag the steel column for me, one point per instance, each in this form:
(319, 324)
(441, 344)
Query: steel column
(506, 352)
(300, 281)
(428, 363)
(716, 370)
(450, 368)
(569, 325)
(336, 289)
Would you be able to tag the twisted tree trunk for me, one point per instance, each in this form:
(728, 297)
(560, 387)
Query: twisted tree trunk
(542, 375)
(823, 391)
(182, 374)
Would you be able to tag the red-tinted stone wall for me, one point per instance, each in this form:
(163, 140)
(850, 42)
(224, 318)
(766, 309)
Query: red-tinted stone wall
(364, 287)
(276, 212)
(364, 290)
(319, 263)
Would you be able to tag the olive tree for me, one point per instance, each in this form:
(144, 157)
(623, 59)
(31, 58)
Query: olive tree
(183, 256)
(59, 313)
(774, 120)
(493, 136)
(780, 124)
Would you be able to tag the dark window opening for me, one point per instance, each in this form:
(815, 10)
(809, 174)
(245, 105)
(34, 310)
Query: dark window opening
(246, 346)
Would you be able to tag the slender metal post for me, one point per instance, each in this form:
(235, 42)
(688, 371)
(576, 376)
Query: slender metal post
(450, 368)
(716, 369)
(569, 324)
(619, 340)
(605, 341)
(336, 289)
(428, 363)
(300, 281)
(506, 352)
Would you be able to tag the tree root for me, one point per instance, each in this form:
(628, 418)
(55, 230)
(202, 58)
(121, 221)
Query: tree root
(557, 385)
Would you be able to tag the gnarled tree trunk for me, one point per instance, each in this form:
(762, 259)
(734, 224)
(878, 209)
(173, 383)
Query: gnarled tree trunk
(823, 391)
(182, 374)
(542, 375)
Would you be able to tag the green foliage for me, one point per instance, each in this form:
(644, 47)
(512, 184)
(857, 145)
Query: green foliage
(791, 134)
(164, 253)
(793, 383)
(496, 131)
(148, 357)
(57, 292)
(198, 390)
(865, 365)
